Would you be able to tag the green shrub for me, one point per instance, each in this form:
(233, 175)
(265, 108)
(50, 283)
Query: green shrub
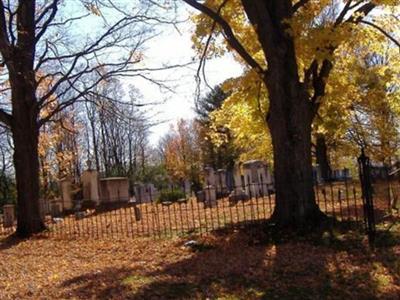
(170, 196)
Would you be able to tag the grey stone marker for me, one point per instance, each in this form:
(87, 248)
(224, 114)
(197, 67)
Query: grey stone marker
(8, 215)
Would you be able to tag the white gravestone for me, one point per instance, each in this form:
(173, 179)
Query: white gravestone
(258, 180)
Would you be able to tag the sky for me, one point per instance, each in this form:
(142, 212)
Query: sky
(173, 47)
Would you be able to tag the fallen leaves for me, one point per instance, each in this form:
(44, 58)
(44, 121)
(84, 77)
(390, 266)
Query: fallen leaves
(226, 266)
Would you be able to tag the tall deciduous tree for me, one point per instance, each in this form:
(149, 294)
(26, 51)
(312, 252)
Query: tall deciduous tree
(279, 29)
(38, 44)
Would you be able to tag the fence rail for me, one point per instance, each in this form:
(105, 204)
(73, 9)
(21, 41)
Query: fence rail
(340, 200)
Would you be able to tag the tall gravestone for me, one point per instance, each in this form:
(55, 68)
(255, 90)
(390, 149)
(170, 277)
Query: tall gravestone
(187, 188)
(237, 193)
(258, 180)
(8, 215)
(90, 186)
(221, 186)
(66, 193)
(210, 193)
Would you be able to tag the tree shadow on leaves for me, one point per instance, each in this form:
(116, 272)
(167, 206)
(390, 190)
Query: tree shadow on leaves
(254, 263)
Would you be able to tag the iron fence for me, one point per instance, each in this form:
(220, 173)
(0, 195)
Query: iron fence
(244, 205)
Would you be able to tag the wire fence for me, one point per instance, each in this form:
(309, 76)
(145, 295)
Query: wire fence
(242, 206)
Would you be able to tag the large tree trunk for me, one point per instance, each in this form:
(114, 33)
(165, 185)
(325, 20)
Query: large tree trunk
(25, 137)
(291, 138)
(321, 154)
(290, 114)
(25, 127)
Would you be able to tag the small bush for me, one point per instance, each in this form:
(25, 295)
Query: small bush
(170, 196)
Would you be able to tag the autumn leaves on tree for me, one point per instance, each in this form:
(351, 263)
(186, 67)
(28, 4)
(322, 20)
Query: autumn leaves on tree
(318, 75)
(291, 47)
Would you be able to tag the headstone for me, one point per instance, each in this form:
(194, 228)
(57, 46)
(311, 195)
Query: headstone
(114, 189)
(144, 193)
(151, 191)
(90, 186)
(79, 215)
(56, 208)
(210, 196)
(221, 182)
(8, 215)
(66, 193)
(209, 177)
(237, 193)
(187, 188)
(258, 179)
(265, 179)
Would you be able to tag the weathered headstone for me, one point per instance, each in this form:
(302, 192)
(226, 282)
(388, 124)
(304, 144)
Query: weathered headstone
(265, 179)
(66, 193)
(90, 186)
(258, 180)
(237, 193)
(8, 215)
(210, 196)
(56, 208)
(209, 177)
(144, 193)
(187, 188)
(221, 182)
(114, 189)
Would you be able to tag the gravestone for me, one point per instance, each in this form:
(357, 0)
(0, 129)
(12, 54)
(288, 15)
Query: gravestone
(66, 193)
(187, 188)
(210, 196)
(56, 208)
(90, 186)
(145, 193)
(209, 177)
(221, 187)
(114, 189)
(265, 179)
(258, 180)
(238, 192)
(8, 215)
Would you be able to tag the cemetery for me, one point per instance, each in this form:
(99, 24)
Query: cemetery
(187, 149)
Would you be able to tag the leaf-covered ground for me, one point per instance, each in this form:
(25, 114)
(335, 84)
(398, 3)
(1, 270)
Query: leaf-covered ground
(245, 264)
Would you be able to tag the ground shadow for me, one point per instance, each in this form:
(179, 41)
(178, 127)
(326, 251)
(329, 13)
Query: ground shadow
(9, 241)
(254, 263)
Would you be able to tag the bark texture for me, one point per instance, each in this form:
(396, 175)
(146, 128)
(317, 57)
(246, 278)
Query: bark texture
(290, 115)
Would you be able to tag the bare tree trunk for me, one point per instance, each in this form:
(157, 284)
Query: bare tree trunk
(26, 136)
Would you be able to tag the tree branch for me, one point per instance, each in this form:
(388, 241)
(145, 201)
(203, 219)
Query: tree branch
(230, 36)
(381, 30)
(299, 5)
(5, 118)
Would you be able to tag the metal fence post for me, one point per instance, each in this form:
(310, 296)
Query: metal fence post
(368, 203)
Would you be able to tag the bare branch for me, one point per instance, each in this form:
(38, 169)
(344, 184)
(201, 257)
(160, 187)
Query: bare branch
(5, 118)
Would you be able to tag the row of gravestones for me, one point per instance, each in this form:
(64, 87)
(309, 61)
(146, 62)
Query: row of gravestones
(256, 181)
(103, 191)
